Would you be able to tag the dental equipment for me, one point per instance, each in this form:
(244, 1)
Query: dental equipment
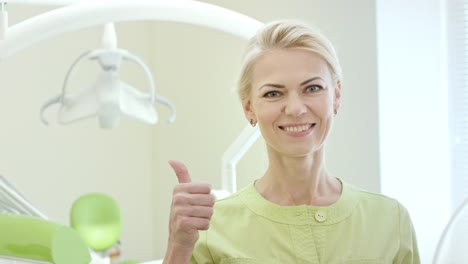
(108, 97)
(31, 238)
(12, 201)
(91, 13)
(231, 157)
(98, 12)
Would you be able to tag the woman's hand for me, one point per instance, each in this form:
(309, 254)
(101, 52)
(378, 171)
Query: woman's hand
(191, 210)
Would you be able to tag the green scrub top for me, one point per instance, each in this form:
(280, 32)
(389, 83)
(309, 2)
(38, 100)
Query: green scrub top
(361, 227)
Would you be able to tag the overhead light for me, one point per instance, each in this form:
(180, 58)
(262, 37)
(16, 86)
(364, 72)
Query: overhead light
(108, 98)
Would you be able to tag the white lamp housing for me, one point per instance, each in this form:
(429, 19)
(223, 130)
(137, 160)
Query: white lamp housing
(108, 97)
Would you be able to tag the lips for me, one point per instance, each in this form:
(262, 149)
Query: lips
(297, 128)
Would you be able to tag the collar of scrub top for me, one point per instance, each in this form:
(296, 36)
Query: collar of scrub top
(108, 97)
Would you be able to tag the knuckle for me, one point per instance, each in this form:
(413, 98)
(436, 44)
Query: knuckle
(179, 188)
(177, 211)
(205, 187)
(205, 225)
(185, 223)
(210, 212)
(179, 199)
(211, 200)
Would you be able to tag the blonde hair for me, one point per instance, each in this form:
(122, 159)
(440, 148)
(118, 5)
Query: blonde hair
(285, 34)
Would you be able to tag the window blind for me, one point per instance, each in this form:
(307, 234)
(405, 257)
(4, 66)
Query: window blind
(457, 63)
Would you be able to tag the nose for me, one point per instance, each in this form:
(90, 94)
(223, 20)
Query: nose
(294, 105)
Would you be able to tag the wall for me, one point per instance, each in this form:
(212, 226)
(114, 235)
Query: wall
(196, 68)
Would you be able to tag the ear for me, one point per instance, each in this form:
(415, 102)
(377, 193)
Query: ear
(248, 110)
(337, 96)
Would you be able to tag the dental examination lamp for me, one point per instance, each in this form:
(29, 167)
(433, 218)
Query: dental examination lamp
(108, 97)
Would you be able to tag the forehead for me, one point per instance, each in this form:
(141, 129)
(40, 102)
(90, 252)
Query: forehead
(285, 65)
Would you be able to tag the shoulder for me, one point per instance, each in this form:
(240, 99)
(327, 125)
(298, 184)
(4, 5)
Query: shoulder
(233, 201)
(242, 205)
(377, 202)
(368, 198)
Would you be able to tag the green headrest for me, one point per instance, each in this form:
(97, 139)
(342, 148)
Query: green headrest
(32, 238)
(96, 217)
(130, 262)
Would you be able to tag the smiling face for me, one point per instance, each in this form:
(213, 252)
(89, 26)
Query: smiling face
(293, 98)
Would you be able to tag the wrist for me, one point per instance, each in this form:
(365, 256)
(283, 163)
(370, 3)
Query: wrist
(177, 253)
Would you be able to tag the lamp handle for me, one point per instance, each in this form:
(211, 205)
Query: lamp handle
(155, 97)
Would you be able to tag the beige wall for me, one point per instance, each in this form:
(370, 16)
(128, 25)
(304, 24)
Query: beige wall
(195, 68)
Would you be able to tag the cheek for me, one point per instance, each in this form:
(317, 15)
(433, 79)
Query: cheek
(329, 104)
(267, 109)
(322, 107)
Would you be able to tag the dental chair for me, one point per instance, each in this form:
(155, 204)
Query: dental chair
(28, 239)
(97, 218)
(27, 236)
(453, 244)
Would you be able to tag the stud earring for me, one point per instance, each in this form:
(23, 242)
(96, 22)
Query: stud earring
(252, 123)
(336, 112)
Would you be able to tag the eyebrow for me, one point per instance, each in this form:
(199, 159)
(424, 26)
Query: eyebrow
(282, 86)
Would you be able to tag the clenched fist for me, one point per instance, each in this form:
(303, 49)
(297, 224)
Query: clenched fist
(191, 210)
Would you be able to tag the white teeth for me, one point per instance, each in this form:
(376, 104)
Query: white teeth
(296, 128)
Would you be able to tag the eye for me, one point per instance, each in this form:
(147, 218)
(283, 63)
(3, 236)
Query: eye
(313, 88)
(271, 94)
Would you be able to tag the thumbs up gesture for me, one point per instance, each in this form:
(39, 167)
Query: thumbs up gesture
(191, 209)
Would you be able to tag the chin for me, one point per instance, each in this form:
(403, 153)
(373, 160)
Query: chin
(299, 152)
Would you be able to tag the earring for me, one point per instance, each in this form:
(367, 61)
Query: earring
(336, 112)
(252, 123)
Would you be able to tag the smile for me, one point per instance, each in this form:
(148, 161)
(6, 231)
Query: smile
(297, 128)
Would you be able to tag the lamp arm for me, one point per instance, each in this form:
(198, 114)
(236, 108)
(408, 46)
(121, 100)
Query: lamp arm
(54, 100)
(128, 56)
(86, 55)
(165, 102)
(59, 98)
(98, 12)
(233, 154)
(154, 96)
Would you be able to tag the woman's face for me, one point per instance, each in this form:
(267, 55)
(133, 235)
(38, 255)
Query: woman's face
(293, 98)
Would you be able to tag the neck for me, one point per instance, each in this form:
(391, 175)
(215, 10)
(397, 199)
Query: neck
(299, 181)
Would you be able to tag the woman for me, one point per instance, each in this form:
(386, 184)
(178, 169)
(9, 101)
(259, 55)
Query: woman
(297, 212)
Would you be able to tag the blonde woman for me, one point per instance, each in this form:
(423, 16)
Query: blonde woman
(297, 212)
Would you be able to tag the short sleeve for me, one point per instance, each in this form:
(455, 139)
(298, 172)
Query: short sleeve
(408, 252)
(201, 253)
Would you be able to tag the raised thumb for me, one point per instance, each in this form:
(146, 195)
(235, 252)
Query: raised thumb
(181, 171)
